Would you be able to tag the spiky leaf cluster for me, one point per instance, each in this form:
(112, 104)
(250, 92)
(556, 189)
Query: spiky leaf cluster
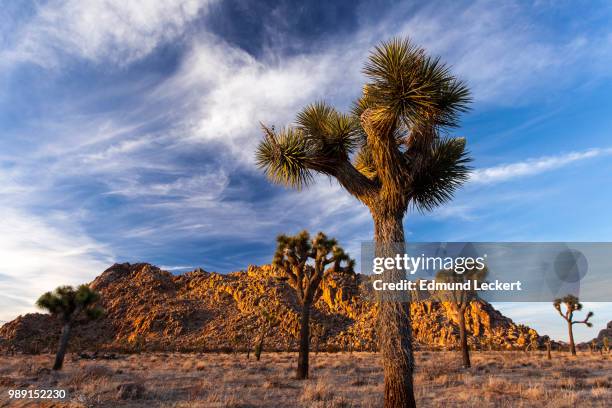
(330, 133)
(284, 156)
(438, 177)
(67, 302)
(321, 137)
(408, 85)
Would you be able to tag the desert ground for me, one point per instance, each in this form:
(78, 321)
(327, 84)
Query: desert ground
(497, 379)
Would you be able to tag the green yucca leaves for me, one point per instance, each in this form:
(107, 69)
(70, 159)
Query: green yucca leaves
(66, 301)
(284, 157)
(314, 120)
(441, 174)
(330, 132)
(321, 136)
(409, 86)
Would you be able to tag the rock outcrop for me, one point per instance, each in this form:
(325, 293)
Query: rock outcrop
(151, 309)
(599, 340)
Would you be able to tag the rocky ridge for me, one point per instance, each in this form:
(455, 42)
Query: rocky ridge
(151, 309)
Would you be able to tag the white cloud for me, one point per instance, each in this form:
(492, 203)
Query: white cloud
(38, 256)
(223, 93)
(533, 166)
(40, 253)
(201, 187)
(101, 30)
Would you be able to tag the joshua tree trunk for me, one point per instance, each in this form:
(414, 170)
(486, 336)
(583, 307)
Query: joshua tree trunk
(465, 351)
(260, 342)
(571, 338)
(548, 351)
(302, 368)
(395, 331)
(63, 345)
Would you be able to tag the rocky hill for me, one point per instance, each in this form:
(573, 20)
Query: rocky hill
(599, 340)
(151, 309)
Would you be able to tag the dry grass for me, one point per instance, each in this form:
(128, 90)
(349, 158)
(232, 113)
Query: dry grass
(505, 379)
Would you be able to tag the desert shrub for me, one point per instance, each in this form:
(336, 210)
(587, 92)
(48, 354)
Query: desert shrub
(89, 374)
(316, 391)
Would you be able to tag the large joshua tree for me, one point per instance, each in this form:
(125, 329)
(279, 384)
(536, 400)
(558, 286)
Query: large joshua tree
(390, 152)
(69, 305)
(460, 299)
(572, 304)
(306, 263)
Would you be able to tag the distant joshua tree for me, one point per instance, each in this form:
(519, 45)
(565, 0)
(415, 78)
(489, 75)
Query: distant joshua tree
(572, 305)
(69, 305)
(317, 333)
(548, 344)
(306, 262)
(534, 346)
(460, 299)
(268, 322)
(593, 346)
(391, 153)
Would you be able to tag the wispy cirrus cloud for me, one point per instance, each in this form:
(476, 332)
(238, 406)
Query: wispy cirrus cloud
(223, 93)
(534, 166)
(99, 30)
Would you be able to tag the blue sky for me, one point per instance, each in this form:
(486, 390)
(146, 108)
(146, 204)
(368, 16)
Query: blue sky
(127, 130)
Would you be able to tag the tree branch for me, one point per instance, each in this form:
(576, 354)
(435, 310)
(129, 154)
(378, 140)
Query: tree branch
(348, 176)
(586, 320)
(558, 308)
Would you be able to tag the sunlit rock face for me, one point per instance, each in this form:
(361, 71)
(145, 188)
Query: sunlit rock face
(151, 309)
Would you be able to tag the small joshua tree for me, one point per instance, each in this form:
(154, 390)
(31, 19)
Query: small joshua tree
(459, 301)
(268, 321)
(572, 305)
(533, 344)
(548, 344)
(306, 263)
(69, 304)
(317, 333)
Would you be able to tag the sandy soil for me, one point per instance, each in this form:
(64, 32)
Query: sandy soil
(497, 379)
